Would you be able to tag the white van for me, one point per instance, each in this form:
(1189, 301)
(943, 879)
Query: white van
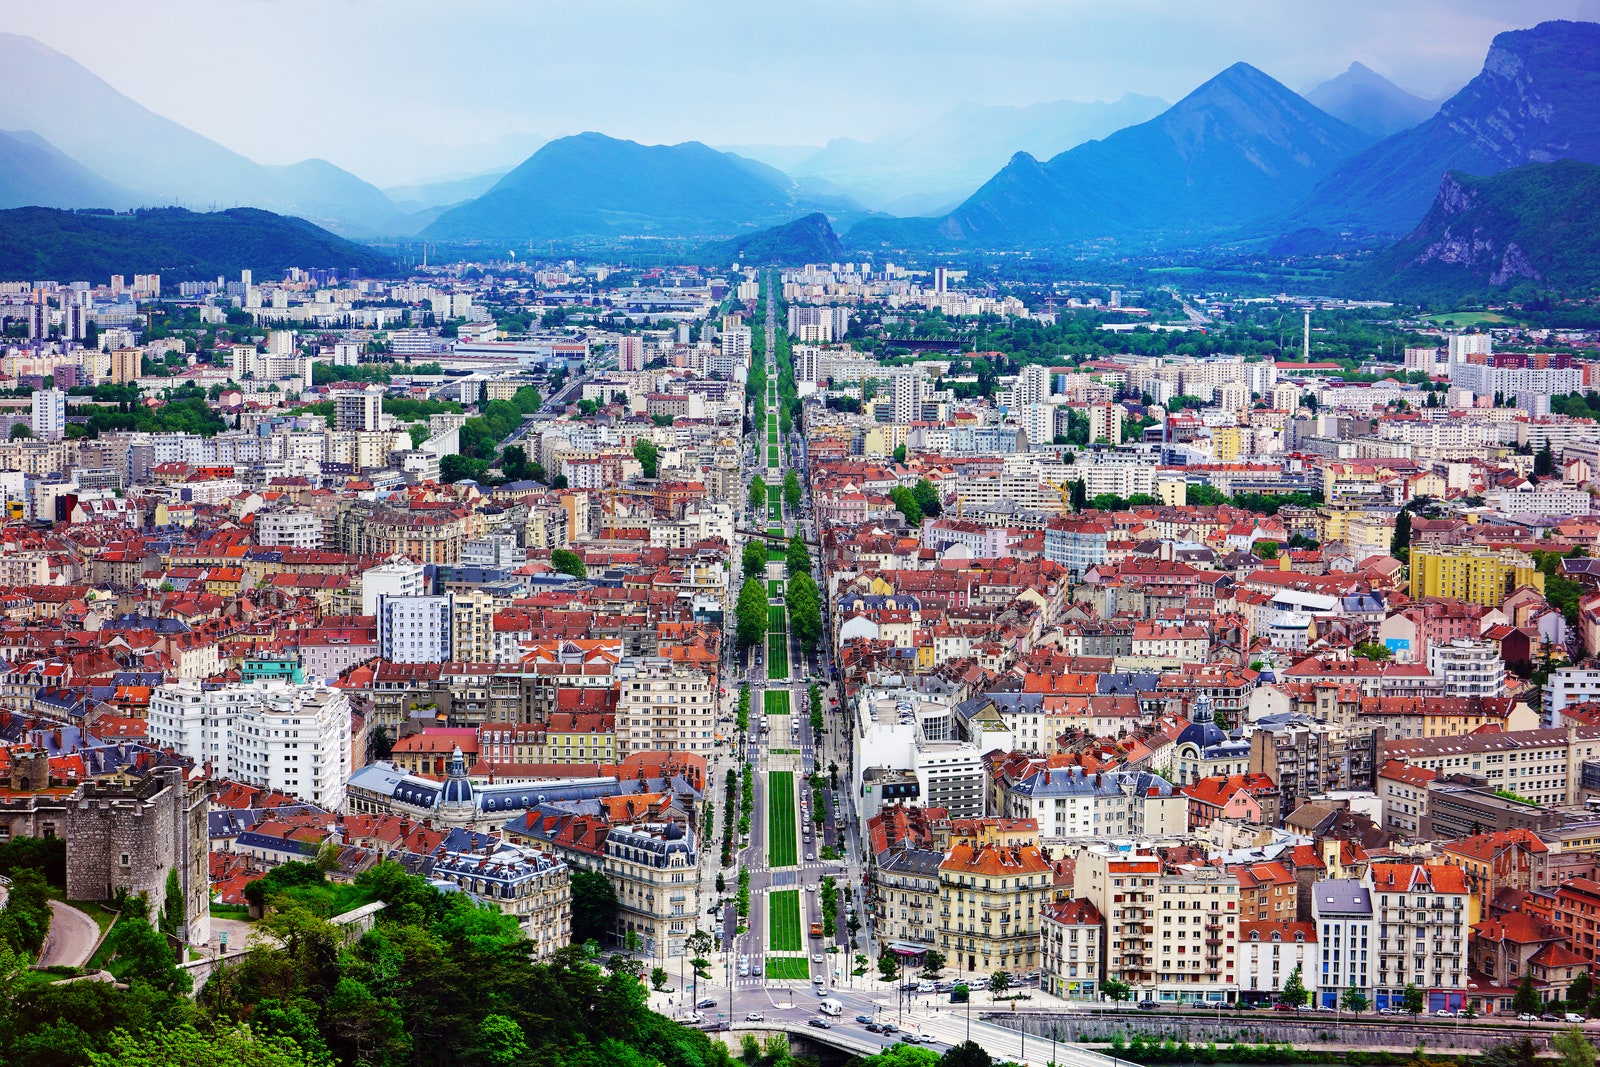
(829, 1006)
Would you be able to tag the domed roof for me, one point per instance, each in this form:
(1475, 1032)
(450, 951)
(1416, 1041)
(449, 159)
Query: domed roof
(1202, 735)
(457, 786)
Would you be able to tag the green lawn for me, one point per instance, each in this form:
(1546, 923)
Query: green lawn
(772, 456)
(777, 657)
(775, 508)
(777, 701)
(1467, 318)
(781, 843)
(783, 920)
(775, 589)
(794, 968)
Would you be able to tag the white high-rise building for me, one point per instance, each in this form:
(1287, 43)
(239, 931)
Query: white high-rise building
(630, 352)
(414, 629)
(358, 409)
(909, 389)
(292, 739)
(294, 528)
(1462, 345)
(1033, 385)
(49, 414)
(397, 578)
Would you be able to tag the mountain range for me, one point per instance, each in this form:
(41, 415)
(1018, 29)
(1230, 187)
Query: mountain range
(1237, 146)
(1536, 100)
(591, 185)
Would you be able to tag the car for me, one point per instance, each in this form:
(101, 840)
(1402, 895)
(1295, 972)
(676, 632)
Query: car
(820, 1023)
(755, 968)
(1550, 1017)
(819, 979)
(822, 990)
(1390, 1011)
(1524, 1017)
(816, 957)
(1444, 1013)
(890, 1028)
(706, 1002)
(809, 856)
(1148, 1005)
(874, 1028)
(695, 1018)
(744, 969)
(754, 1017)
(863, 1018)
(926, 987)
(811, 889)
(1574, 1017)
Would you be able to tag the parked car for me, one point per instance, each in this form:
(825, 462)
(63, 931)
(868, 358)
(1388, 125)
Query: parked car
(1444, 1013)
(1574, 1017)
(1524, 1017)
(1550, 1017)
(1148, 1005)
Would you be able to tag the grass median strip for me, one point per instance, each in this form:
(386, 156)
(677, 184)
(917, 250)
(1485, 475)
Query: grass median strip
(781, 850)
(784, 926)
(777, 701)
(792, 968)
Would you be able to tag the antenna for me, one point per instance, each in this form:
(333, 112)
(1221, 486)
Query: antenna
(1305, 347)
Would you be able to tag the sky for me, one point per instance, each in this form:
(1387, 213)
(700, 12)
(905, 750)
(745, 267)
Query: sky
(405, 90)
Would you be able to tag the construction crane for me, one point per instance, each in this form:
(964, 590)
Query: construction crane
(1065, 489)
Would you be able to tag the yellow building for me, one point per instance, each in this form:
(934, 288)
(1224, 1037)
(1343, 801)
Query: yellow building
(1465, 572)
(1227, 443)
(1172, 490)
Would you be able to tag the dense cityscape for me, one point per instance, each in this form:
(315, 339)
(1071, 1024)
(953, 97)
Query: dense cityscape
(829, 636)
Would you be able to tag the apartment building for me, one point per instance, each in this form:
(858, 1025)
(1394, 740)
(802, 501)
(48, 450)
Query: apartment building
(1269, 951)
(1070, 957)
(905, 895)
(1544, 766)
(990, 898)
(1422, 913)
(293, 739)
(1469, 572)
(1120, 881)
(1341, 913)
(662, 705)
(1198, 941)
(1468, 668)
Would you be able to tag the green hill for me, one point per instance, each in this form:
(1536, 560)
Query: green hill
(179, 245)
(1536, 224)
(807, 240)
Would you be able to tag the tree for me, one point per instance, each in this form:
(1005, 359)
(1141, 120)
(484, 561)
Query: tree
(1400, 542)
(753, 561)
(139, 954)
(805, 611)
(646, 452)
(932, 964)
(568, 562)
(758, 493)
(1294, 991)
(791, 489)
(797, 557)
(966, 1054)
(1265, 549)
(173, 917)
(899, 453)
(1573, 1047)
(184, 1046)
(25, 919)
(1078, 495)
(594, 905)
(514, 462)
(1412, 1000)
(750, 613)
(906, 504)
(999, 982)
(1116, 989)
(1354, 1001)
(888, 966)
(927, 498)
(500, 1042)
(1544, 462)
(1580, 992)
(658, 978)
(20, 431)
(558, 482)
(1372, 650)
(1526, 1001)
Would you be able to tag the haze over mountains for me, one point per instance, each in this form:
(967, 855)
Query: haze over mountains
(1241, 160)
(1237, 146)
(942, 163)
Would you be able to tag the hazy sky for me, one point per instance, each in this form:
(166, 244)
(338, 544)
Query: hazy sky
(401, 90)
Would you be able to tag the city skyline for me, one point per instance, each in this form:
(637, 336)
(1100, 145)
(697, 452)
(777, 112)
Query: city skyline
(699, 72)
